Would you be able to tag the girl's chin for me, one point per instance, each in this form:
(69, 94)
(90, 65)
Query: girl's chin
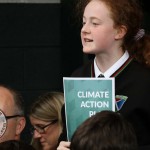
(87, 51)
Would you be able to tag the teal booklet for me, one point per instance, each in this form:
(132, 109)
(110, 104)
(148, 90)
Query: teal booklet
(84, 97)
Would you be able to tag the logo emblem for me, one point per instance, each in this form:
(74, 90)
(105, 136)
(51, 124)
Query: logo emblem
(120, 100)
(2, 123)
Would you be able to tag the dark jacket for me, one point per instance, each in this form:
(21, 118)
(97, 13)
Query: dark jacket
(133, 81)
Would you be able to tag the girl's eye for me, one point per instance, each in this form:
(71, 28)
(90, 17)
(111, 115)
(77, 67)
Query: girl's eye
(95, 24)
(83, 23)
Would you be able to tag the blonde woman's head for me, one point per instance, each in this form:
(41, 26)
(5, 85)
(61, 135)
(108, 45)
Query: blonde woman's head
(45, 117)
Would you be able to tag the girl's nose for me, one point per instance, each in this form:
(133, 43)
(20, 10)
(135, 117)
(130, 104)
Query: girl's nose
(85, 28)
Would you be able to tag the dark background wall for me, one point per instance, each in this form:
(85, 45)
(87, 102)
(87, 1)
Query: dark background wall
(30, 49)
(39, 44)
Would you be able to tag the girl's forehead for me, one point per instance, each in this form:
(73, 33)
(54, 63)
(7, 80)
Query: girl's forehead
(96, 5)
(97, 9)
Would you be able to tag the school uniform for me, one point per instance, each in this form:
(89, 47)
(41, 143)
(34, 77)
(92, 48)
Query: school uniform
(132, 90)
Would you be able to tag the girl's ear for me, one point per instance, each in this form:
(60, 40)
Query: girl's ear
(121, 32)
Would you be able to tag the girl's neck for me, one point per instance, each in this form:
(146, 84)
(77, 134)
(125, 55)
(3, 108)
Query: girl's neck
(105, 61)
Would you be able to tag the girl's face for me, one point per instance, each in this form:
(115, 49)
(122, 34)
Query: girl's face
(98, 34)
(49, 138)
